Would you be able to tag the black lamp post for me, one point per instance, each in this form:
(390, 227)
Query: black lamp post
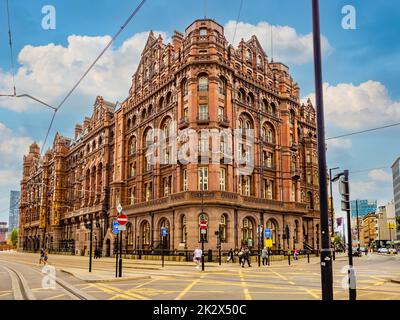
(332, 219)
(90, 226)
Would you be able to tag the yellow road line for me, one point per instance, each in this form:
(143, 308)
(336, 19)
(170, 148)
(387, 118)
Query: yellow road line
(246, 291)
(188, 288)
(5, 294)
(121, 292)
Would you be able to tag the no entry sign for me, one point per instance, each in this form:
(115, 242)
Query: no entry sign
(203, 224)
(122, 219)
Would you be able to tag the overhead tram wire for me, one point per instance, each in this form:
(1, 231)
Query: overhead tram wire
(10, 43)
(11, 48)
(237, 22)
(364, 131)
(91, 67)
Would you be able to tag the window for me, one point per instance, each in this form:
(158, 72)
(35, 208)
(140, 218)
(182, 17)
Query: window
(308, 156)
(166, 153)
(132, 170)
(203, 112)
(147, 162)
(146, 233)
(222, 179)
(222, 228)
(186, 112)
(293, 193)
(270, 189)
(185, 180)
(203, 178)
(148, 191)
(203, 146)
(221, 112)
(270, 135)
(247, 185)
(240, 185)
(247, 232)
(203, 83)
(167, 186)
(183, 229)
(132, 146)
(248, 55)
(221, 86)
(203, 31)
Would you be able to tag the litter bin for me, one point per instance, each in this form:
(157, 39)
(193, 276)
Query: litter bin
(209, 255)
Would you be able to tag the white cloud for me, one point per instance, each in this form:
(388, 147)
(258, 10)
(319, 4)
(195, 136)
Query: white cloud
(379, 176)
(12, 147)
(289, 46)
(48, 72)
(354, 107)
(10, 178)
(339, 145)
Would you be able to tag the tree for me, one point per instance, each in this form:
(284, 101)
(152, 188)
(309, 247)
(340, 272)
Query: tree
(14, 237)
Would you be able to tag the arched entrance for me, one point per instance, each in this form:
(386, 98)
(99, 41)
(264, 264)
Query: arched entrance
(272, 224)
(164, 242)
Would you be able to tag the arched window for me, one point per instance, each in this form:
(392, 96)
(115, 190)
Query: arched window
(222, 86)
(164, 224)
(128, 124)
(161, 103)
(272, 108)
(144, 114)
(270, 135)
(155, 68)
(166, 128)
(169, 98)
(203, 83)
(248, 55)
(265, 105)
(222, 228)
(150, 110)
(259, 61)
(147, 73)
(183, 229)
(146, 233)
(203, 234)
(247, 232)
(310, 200)
(133, 121)
(100, 141)
(132, 145)
(250, 99)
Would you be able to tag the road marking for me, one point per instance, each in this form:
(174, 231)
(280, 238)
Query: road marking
(55, 297)
(121, 292)
(246, 291)
(189, 287)
(5, 294)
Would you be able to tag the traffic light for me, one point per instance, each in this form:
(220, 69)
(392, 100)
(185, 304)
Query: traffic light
(287, 232)
(344, 190)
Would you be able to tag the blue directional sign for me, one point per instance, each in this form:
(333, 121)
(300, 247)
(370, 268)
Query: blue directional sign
(267, 233)
(164, 231)
(115, 227)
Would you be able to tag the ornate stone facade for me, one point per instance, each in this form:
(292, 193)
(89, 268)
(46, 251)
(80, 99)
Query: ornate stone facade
(197, 82)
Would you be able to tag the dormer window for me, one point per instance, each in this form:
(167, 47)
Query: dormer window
(203, 31)
(248, 55)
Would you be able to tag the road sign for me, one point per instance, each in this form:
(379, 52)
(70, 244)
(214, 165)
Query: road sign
(391, 225)
(164, 232)
(250, 242)
(203, 231)
(115, 227)
(122, 219)
(267, 233)
(268, 243)
(203, 224)
(119, 208)
(122, 227)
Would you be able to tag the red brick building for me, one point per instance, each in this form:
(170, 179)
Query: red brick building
(207, 132)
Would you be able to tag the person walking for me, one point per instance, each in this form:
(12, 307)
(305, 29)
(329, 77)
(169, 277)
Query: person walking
(46, 257)
(230, 256)
(197, 256)
(246, 257)
(296, 254)
(240, 255)
(41, 256)
(264, 256)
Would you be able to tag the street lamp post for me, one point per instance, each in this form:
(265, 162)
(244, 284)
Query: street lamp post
(91, 243)
(326, 260)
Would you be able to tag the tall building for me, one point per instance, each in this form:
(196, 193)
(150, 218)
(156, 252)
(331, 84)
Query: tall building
(13, 220)
(386, 219)
(369, 229)
(208, 133)
(362, 207)
(396, 189)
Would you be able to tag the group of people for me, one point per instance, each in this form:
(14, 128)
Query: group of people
(244, 255)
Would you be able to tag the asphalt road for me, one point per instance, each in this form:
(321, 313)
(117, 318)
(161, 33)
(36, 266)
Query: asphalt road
(299, 281)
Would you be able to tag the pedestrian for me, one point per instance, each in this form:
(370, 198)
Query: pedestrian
(41, 256)
(230, 256)
(296, 254)
(264, 256)
(46, 257)
(246, 257)
(240, 255)
(197, 256)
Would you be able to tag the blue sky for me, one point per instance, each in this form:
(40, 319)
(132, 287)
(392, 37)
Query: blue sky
(360, 68)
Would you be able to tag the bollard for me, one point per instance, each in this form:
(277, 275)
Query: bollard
(308, 257)
(289, 258)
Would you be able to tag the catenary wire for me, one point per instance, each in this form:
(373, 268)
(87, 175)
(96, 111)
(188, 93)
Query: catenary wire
(237, 22)
(91, 67)
(364, 131)
(11, 47)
